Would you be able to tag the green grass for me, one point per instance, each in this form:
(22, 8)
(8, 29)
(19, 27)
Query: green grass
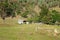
(9, 31)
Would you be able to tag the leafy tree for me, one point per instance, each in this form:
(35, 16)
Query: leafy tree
(55, 15)
(34, 19)
(7, 8)
(25, 14)
(44, 13)
(44, 10)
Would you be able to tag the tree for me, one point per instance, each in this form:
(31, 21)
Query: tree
(44, 10)
(25, 14)
(7, 9)
(55, 16)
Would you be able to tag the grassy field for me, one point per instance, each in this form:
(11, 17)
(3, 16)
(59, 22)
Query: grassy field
(11, 30)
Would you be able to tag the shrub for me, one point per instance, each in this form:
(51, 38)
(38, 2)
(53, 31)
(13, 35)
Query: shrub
(34, 19)
(29, 20)
(25, 14)
(55, 15)
(44, 10)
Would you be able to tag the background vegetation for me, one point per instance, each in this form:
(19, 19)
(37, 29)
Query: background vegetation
(33, 10)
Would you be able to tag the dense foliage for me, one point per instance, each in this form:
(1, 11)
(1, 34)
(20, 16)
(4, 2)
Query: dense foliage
(25, 8)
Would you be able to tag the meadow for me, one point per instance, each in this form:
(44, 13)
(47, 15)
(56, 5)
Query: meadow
(11, 30)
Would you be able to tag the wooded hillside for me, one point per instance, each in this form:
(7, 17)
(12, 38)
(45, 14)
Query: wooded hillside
(33, 10)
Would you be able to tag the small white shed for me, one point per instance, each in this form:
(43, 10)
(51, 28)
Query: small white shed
(20, 21)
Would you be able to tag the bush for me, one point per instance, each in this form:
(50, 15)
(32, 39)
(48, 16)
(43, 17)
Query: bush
(44, 10)
(47, 20)
(55, 15)
(25, 14)
(29, 20)
(34, 19)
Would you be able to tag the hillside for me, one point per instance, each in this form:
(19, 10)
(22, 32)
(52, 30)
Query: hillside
(32, 10)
